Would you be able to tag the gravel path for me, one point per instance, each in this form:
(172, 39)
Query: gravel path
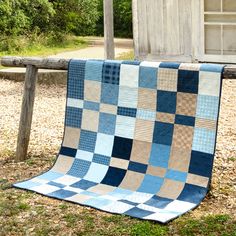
(47, 129)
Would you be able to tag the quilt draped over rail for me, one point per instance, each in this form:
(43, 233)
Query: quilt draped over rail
(139, 138)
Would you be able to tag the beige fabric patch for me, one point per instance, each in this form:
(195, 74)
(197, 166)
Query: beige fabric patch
(107, 108)
(63, 164)
(165, 117)
(205, 123)
(90, 120)
(171, 189)
(156, 171)
(71, 137)
(141, 151)
(197, 180)
(132, 180)
(179, 159)
(167, 79)
(183, 136)
(92, 91)
(119, 163)
(102, 189)
(147, 99)
(186, 104)
(144, 130)
(80, 198)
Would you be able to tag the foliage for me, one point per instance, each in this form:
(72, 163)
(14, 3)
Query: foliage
(122, 18)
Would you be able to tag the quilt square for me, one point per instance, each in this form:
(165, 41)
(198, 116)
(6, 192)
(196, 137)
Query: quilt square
(125, 126)
(110, 94)
(122, 148)
(127, 72)
(104, 144)
(107, 123)
(86, 120)
(147, 99)
(111, 72)
(87, 140)
(167, 79)
(188, 81)
(114, 176)
(73, 117)
(92, 91)
(163, 133)
(166, 101)
(128, 97)
(148, 77)
(151, 184)
(79, 168)
(93, 70)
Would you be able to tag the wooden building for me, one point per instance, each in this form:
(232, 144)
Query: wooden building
(185, 30)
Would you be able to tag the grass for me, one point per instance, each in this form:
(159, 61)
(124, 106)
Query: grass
(26, 213)
(42, 45)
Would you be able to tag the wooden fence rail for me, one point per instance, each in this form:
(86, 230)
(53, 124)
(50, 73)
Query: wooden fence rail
(32, 65)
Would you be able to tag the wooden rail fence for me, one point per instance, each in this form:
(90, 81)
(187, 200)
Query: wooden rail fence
(32, 65)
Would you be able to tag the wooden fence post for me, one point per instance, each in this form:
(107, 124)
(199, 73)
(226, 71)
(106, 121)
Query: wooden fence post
(109, 48)
(26, 112)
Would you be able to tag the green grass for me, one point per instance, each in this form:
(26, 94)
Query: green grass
(126, 56)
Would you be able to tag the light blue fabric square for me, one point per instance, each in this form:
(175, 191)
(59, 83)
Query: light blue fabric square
(176, 175)
(151, 184)
(96, 172)
(110, 93)
(159, 155)
(27, 184)
(93, 70)
(120, 193)
(148, 77)
(107, 123)
(204, 140)
(146, 114)
(50, 175)
(97, 202)
(211, 68)
(207, 107)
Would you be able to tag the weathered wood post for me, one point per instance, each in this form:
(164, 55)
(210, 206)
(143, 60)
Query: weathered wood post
(26, 112)
(109, 49)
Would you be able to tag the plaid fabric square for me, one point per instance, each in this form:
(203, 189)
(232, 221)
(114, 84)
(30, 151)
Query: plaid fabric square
(139, 138)
(111, 73)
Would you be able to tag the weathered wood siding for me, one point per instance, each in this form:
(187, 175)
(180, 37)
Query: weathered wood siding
(163, 29)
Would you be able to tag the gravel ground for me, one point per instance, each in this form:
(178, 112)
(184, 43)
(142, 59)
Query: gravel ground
(47, 130)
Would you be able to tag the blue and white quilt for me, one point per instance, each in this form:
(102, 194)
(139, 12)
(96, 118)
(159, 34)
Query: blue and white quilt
(139, 138)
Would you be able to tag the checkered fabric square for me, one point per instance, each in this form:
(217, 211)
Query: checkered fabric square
(139, 138)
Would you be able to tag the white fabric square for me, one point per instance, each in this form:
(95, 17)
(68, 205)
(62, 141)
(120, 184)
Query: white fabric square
(67, 180)
(117, 207)
(45, 188)
(150, 64)
(125, 126)
(38, 180)
(78, 103)
(84, 155)
(180, 206)
(76, 190)
(128, 97)
(209, 83)
(104, 144)
(138, 197)
(129, 75)
(161, 216)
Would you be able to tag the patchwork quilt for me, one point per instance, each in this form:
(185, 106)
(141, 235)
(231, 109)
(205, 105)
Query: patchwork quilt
(139, 138)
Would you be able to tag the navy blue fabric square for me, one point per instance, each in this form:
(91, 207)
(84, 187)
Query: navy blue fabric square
(184, 120)
(138, 212)
(163, 133)
(166, 101)
(201, 163)
(83, 184)
(188, 81)
(122, 148)
(109, 94)
(73, 117)
(137, 167)
(159, 202)
(126, 111)
(111, 73)
(66, 151)
(87, 140)
(62, 194)
(76, 81)
(192, 193)
(114, 176)
(170, 65)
